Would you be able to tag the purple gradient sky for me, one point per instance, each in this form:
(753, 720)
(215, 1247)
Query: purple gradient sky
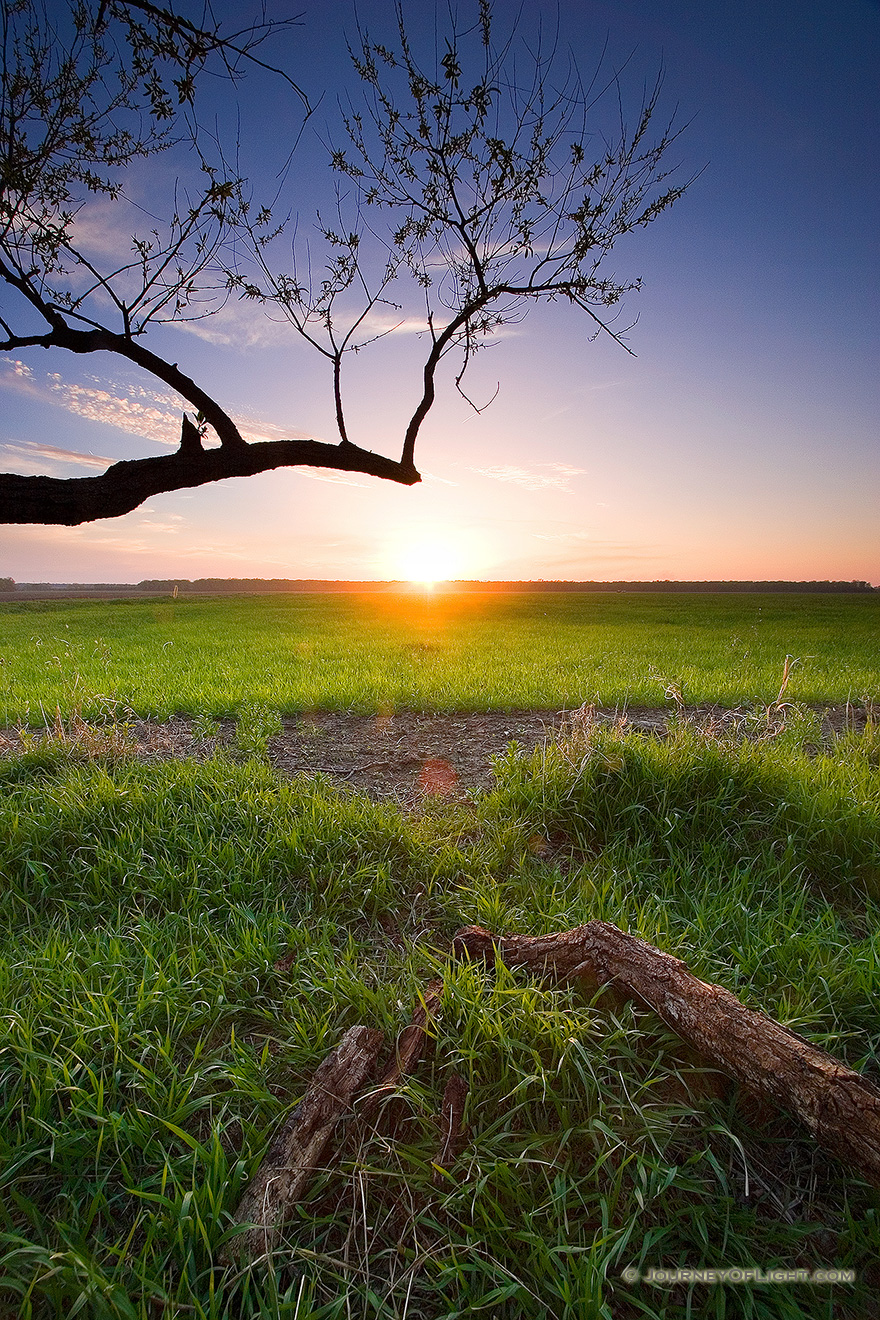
(741, 442)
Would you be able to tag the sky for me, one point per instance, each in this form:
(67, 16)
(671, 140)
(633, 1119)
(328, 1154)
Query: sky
(739, 442)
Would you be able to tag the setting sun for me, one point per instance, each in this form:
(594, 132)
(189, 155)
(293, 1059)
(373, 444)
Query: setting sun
(429, 561)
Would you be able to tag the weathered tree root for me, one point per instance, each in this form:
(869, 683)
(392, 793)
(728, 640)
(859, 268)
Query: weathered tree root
(303, 1140)
(410, 1044)
(300, 1145)
(838, 1106)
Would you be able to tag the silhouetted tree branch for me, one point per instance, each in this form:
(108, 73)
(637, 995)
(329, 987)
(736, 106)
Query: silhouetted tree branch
(478, 183)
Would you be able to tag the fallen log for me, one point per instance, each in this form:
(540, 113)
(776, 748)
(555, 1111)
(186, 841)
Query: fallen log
(838, 1106)
(301, 1143)
(410, 1044)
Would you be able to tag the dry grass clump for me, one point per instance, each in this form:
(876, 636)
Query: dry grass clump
(109, 737)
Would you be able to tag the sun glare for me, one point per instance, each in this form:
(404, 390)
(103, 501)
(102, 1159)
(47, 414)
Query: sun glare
(428, 562)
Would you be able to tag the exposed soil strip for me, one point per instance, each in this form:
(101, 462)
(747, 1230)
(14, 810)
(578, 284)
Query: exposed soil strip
(410, 755)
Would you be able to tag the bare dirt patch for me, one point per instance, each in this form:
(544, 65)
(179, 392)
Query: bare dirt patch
(411, 755)
(408, 756)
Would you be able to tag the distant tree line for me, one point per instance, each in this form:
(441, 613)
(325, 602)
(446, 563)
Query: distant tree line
(261, 585)
(267, 586)
(255, 586)
(213, 586)
(664, 585)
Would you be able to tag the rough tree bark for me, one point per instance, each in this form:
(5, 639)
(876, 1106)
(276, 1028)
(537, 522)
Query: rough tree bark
(410, 1044)
(838, 1106)
(300, 1145)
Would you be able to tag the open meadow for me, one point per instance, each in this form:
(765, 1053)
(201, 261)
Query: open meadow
(433, 651)
(183, 942)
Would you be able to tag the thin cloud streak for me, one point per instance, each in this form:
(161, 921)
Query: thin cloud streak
(28, 452)
(327, 474)
(577, 551)
(247, 324)
(128, 407)
(242, 325)
(533, 478)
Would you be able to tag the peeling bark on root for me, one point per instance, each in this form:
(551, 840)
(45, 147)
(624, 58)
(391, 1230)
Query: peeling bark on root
(299, 1147)
(408, 1051)
(839, 1107)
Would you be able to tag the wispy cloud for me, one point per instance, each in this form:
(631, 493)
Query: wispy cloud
(389, 321)
(32, 457)
(242, 324)
(622, 555)
(382, 321)
(543, 476)
(327, 474)
(580, 550)
(138, 411)
(128, 406)
(433, 476)
(154, 525)
(573, 537)
(249, 324)
(566, 470)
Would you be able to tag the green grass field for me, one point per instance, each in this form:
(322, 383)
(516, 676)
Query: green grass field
(182, 944)
(455, 652)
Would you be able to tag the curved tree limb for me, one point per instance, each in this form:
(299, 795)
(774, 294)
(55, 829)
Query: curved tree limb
(68, 501)
(73, 500)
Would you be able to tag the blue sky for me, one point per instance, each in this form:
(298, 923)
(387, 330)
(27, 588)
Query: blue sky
(740, 442)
